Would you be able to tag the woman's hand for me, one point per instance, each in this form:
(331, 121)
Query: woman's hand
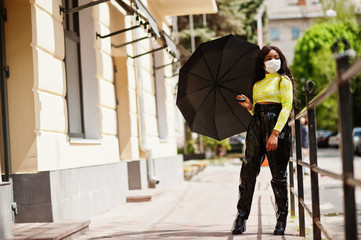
(272, 141)
(247, 103)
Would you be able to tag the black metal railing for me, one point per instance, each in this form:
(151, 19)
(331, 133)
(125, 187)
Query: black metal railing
(342, 85)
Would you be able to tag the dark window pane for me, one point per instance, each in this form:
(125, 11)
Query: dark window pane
(73, 71)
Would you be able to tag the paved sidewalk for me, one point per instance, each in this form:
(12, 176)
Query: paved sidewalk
(203, 208)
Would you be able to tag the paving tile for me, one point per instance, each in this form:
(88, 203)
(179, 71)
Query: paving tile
(203, 208)
(54, 230)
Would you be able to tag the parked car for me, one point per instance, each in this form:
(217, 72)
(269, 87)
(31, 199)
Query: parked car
(356, 136)
(334, 140)
(238, 143)
(322, 137)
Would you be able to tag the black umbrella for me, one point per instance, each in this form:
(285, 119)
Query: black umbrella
(209, 81)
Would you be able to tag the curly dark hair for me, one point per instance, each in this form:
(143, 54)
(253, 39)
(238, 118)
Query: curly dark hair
(284, 70)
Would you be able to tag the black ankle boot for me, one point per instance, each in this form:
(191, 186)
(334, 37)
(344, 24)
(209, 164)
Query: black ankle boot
(239, 226)
(280, 228)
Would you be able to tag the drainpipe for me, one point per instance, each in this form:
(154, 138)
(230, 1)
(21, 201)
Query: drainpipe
(152, 179)
(4, 74)
(191, 26)
(258, 18)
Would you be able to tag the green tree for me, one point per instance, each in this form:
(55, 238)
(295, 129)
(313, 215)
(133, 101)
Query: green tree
(343, 8)
(233, 16)
(314, 61)
(201, 34)
(213, 144)
(236, 17)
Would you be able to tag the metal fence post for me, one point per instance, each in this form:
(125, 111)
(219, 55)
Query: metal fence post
(310, 87)
(301, 210)
(342, 84)
(347, 150)
(292, 183)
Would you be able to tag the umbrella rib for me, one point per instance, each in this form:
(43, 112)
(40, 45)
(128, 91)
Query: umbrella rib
(214, 116)
(229, 89)
(224, 98)
(209, 70)
(234, 63)
(199, 89)
(209, 92)
(219, 65)
(203, 78)
(205, 99)
(233, 79)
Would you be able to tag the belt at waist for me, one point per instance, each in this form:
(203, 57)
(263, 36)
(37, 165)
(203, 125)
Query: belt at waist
(274, 107)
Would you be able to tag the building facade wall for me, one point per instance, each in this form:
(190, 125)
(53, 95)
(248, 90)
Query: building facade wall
(77, 193)
(126, 90)
(129, 113)
(54, 147)
(286, 16)
(140, 81)
(286, 41)
(21, 101)
(5, 211)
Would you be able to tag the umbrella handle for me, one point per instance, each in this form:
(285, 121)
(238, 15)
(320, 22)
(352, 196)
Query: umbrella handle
(240, 99)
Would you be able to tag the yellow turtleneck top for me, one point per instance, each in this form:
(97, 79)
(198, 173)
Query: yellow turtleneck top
(272, 89)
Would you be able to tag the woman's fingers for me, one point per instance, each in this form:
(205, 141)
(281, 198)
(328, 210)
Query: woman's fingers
(271, 147)
(244, 96)
(271, 143)
(247, 99)
(245, 103)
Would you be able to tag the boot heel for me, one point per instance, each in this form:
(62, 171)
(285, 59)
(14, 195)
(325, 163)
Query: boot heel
(244, 227)
(280, 228)
(239, 226)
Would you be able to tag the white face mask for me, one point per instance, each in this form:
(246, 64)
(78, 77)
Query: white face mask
(273, 65)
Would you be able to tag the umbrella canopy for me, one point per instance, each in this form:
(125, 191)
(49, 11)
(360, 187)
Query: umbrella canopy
(209, 81)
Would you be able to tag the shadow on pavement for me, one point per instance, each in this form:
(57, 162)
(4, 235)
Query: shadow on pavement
(169, 233)
(186, 233)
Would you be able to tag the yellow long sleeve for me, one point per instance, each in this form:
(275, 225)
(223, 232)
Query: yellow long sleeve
(272, 89)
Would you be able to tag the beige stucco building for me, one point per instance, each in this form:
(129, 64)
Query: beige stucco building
(87, 117)
(287, 21)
